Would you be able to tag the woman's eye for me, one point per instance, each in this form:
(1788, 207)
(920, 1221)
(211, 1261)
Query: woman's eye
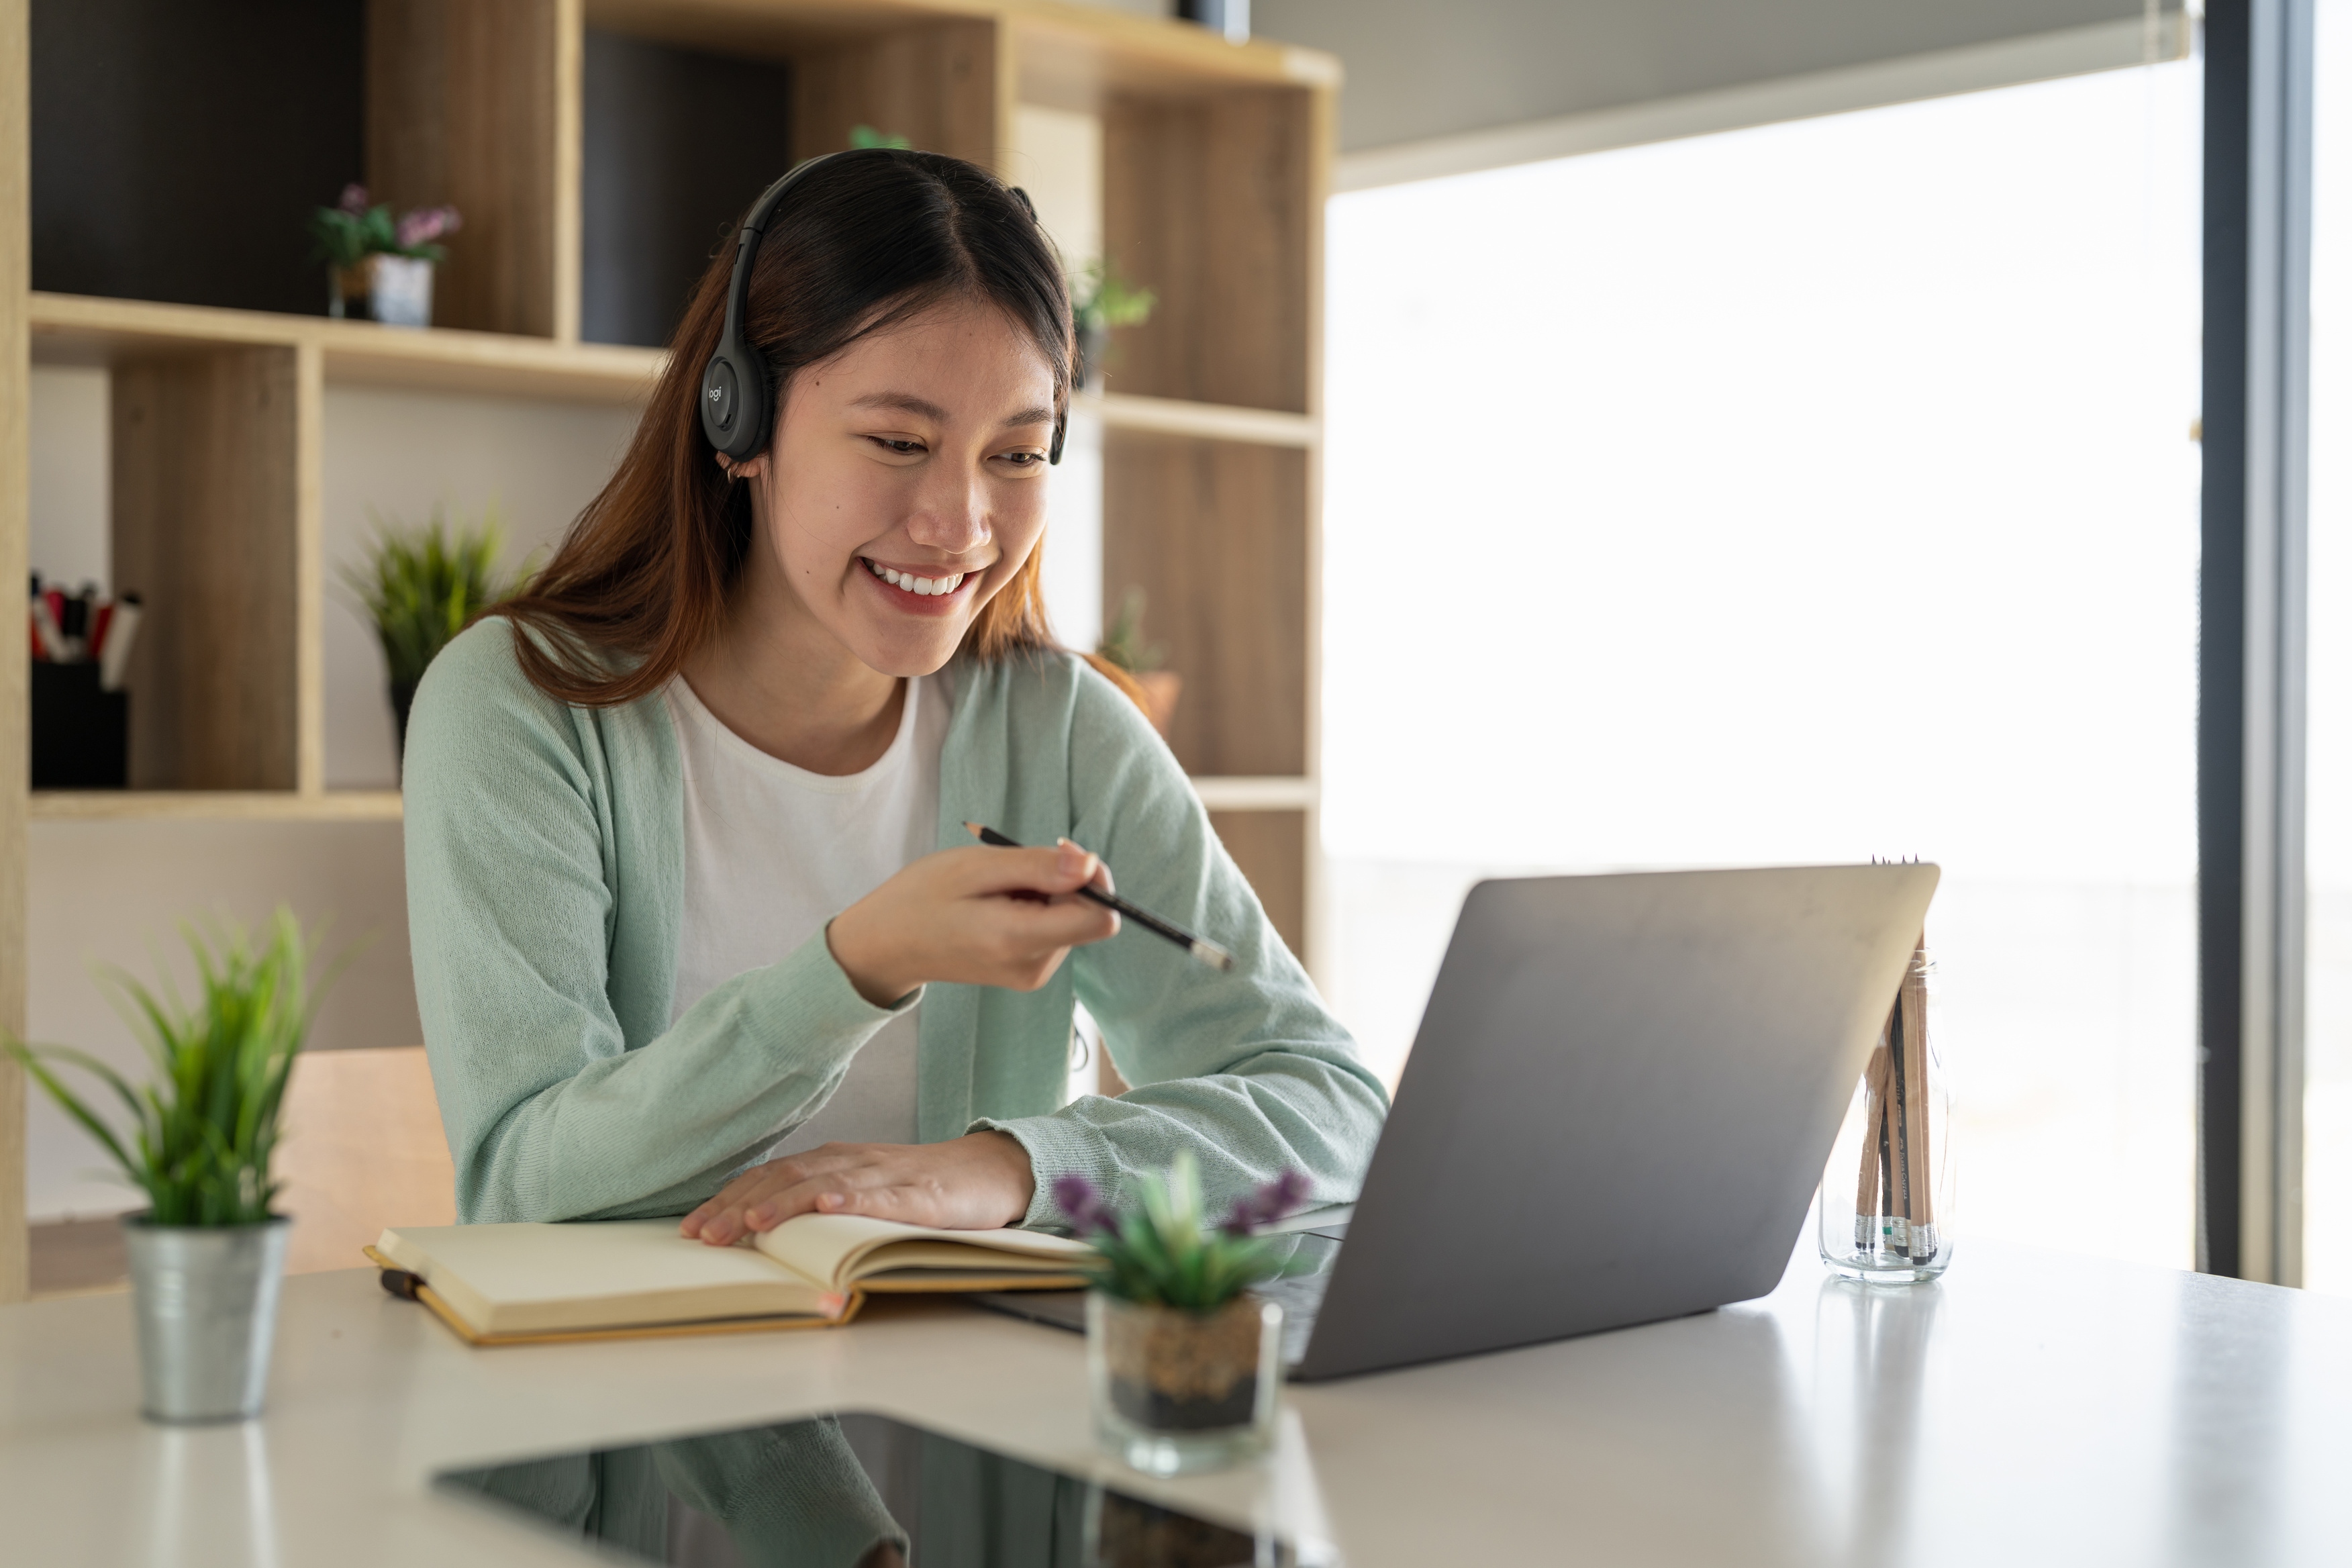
(893, 444)
(1026, 460)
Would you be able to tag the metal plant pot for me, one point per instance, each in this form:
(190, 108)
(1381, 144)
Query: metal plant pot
(207, 1300)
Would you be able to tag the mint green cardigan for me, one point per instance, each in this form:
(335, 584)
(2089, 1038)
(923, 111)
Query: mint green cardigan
(545, 847)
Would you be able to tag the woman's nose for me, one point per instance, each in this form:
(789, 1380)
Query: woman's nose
(951, 513)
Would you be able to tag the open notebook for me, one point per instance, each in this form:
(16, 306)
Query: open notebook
(504, 1284)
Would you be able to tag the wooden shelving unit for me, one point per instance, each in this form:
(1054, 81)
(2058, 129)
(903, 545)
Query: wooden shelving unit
(1217, 160)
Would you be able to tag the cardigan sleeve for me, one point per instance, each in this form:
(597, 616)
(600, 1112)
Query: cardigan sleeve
(550, 1114)
(1245, 1068)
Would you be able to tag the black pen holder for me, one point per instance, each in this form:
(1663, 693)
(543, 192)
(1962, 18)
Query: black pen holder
(81, 735)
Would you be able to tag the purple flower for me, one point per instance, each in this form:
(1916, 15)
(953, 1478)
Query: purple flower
(1270, 1202)
(1077, 1198)
(426, 225)
(355, 200)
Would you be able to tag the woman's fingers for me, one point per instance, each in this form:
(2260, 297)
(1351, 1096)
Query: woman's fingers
(1102, 878)
(1064, 868)
(730, 1196)
(975, 1183)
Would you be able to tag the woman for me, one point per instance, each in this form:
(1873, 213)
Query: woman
(697, 928)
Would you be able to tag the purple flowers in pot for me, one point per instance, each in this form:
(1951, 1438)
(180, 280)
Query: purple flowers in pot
(1163, 1252)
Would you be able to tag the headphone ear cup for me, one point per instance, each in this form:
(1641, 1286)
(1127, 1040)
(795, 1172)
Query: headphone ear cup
(735, 401)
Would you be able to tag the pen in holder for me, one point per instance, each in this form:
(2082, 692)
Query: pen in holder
(1893, 1155)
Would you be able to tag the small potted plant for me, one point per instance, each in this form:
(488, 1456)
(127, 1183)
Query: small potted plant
(1100, 300)
(1186, 1362)
(206, 1253)
(421, 587)
(378, 269)
(1122, 644)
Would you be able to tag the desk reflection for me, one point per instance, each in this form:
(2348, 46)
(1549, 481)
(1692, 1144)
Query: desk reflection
(851, 1491)
(1870, 1344)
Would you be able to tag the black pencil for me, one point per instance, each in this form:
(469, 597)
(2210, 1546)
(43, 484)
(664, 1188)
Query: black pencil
(1208, 952)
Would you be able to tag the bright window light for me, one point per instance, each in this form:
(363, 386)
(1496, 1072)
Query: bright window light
(1808, 493)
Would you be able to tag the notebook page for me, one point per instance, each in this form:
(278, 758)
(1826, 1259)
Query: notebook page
(837, 1248)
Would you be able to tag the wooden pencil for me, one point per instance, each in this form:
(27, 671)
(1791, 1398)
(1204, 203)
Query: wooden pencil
(1868, 1186)
(1918, 1174)
(1208, 952)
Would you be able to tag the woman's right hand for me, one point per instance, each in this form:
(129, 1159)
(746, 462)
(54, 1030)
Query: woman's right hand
(972, 917)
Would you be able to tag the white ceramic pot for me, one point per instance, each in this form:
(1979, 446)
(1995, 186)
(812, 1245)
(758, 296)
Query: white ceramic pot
(400, 291)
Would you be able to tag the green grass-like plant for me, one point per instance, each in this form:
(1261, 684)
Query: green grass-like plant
(1122, 641)
(422, 586)
(202, 1133)
(1161, 1252)
(1102, 299)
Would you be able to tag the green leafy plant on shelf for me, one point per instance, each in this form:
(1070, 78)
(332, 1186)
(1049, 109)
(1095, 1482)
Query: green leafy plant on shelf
(863, 136)
(1104, 298)
(422, 586)
(1100, 300)
(203, 1132)
(1162, 1253)
(354, 229)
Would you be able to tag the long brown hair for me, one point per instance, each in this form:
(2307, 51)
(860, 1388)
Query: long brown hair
(641, 581)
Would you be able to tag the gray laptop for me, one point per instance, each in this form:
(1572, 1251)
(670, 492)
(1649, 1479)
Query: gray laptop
(1616, 1110)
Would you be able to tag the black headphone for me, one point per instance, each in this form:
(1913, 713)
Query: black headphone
(735, 412)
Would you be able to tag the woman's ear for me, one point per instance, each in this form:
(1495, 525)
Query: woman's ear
(750, 467)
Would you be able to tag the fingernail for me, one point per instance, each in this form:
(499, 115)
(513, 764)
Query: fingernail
(761, 1215)
(829, 1199)
(1073, 860)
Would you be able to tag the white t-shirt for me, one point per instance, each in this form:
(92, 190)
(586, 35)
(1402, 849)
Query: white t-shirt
(773, 851)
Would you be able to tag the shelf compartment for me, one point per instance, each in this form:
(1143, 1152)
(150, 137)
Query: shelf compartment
(466, 105)
(1215, 534)
(676, 142)
(213, 806)
(1270, 848)
(1215, 204)
(74, 329)
(207, 529)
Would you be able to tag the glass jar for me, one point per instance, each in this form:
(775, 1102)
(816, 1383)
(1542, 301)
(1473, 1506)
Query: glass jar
(1886, 1195)
(1176, 1392)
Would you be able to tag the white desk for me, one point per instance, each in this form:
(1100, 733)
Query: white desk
(2025, 1412)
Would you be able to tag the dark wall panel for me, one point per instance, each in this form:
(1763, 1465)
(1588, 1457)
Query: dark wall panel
(676, 146)
(179, 145)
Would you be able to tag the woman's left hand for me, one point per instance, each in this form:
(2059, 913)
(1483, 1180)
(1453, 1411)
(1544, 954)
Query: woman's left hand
(980, 1181)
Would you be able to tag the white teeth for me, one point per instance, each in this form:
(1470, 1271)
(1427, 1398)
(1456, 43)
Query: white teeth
(928, 587)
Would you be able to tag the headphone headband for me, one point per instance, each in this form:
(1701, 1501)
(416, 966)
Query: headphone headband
(735, 393)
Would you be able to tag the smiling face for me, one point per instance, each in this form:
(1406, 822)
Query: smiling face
(904, 488)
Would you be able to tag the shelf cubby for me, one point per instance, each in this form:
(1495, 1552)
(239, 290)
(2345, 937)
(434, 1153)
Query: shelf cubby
(207, 526)
(1272, 848)
(1215, 533)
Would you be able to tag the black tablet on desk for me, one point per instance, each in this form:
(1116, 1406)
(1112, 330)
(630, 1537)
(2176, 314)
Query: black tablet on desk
(853, 1490)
